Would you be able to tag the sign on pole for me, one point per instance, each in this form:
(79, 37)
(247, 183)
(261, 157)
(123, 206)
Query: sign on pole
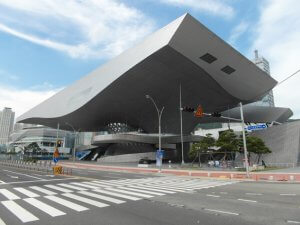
(257, 127)
(199, 112)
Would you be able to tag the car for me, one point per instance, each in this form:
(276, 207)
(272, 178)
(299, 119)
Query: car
(145, 161)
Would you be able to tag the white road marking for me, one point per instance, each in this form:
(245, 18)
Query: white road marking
(2, 182)
(288, 194)
(23, 174)
(19, 211)
(142, 191)
(85, 200)
(73, 187)
(247, 200)
(154, 189)
(2, 222)
(117, 195)
(102, 197)
(165, 188)
(292, 221)
(44, 207)
(14, 177)
(67, 203)
(214, 196)
(84, 185)
(45, 191)
(98, 185)
(58, 188)
(30, 194)
(224, 212)
(253, 194)
(9, 195)
(130, 193)
(34, 181)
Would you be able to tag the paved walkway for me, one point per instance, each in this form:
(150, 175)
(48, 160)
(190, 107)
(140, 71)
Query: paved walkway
(257, 176)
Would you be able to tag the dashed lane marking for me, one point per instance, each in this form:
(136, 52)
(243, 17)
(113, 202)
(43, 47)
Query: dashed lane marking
(247, 200)
(214, 196)
(220, 211)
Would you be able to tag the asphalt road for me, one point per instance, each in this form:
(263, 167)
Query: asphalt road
(93, 197)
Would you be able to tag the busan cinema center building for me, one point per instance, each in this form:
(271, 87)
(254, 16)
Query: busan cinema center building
(184, 52)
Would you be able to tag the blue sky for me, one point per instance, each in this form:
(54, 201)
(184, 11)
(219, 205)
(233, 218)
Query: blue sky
(45, 47)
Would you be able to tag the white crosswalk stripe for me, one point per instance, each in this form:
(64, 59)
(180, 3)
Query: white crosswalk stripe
(142, 191)
(73, 187)
(8, 194)
(85, 200)
(58, 188)
(129, 193)
(44, 207)
(2, 222)
(95, 193)
(28, 193)
(19, 211)
(105, 198)
(43, 190)
(67, 203)
(117, 195)
(154, 189)
(84, 185)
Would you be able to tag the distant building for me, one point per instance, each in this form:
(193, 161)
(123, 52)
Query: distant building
(7, 117)
(268, 99)
(21, 126)
(44, 137)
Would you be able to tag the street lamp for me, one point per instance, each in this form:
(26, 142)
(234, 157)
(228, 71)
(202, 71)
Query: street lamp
(159, 113)
(75, 135)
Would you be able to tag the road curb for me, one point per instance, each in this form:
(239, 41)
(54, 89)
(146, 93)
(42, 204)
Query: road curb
(225, 175)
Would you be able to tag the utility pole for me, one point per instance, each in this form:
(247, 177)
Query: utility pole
(181, 134)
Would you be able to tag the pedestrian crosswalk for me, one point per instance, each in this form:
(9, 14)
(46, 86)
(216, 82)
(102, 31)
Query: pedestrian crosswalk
(85, 195)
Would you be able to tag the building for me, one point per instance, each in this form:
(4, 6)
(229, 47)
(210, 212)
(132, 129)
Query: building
(7, 117)
(262, 63)
(112, 99)
(21, 126)
(44, 137)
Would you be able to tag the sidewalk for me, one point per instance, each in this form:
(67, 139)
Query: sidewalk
(254, 176)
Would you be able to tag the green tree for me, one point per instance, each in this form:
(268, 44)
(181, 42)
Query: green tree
(32, 147)
(257, 146)
(228, 143)
(202, 146)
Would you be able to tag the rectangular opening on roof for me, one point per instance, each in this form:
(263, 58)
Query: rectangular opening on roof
(208, 58)
(228, 69)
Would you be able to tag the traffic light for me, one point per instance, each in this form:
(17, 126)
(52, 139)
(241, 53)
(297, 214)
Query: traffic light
(216, 114)
(188, 109)
(59, 143)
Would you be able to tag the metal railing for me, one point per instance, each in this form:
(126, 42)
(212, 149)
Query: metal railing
(42, 166)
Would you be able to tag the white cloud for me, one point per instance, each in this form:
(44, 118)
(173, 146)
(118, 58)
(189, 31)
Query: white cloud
(21, 100)
(90, 28)
(237, 32)
(277, 38)
(214, 7)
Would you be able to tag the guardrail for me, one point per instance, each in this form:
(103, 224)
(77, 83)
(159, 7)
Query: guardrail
(43, 166)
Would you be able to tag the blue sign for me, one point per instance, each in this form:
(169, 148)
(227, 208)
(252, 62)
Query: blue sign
(257, 127)
(159, 157)
(55, 160)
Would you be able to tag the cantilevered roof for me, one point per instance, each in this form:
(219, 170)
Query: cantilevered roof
(184, 52)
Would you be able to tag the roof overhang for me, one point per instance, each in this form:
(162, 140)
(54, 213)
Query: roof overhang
(116, 91)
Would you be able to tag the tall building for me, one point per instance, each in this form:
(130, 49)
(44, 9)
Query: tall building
(262, 63)
(7, 117)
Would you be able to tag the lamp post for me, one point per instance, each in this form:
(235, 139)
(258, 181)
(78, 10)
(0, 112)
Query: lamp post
(75, 135)
(159, 113)
(244, 140)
